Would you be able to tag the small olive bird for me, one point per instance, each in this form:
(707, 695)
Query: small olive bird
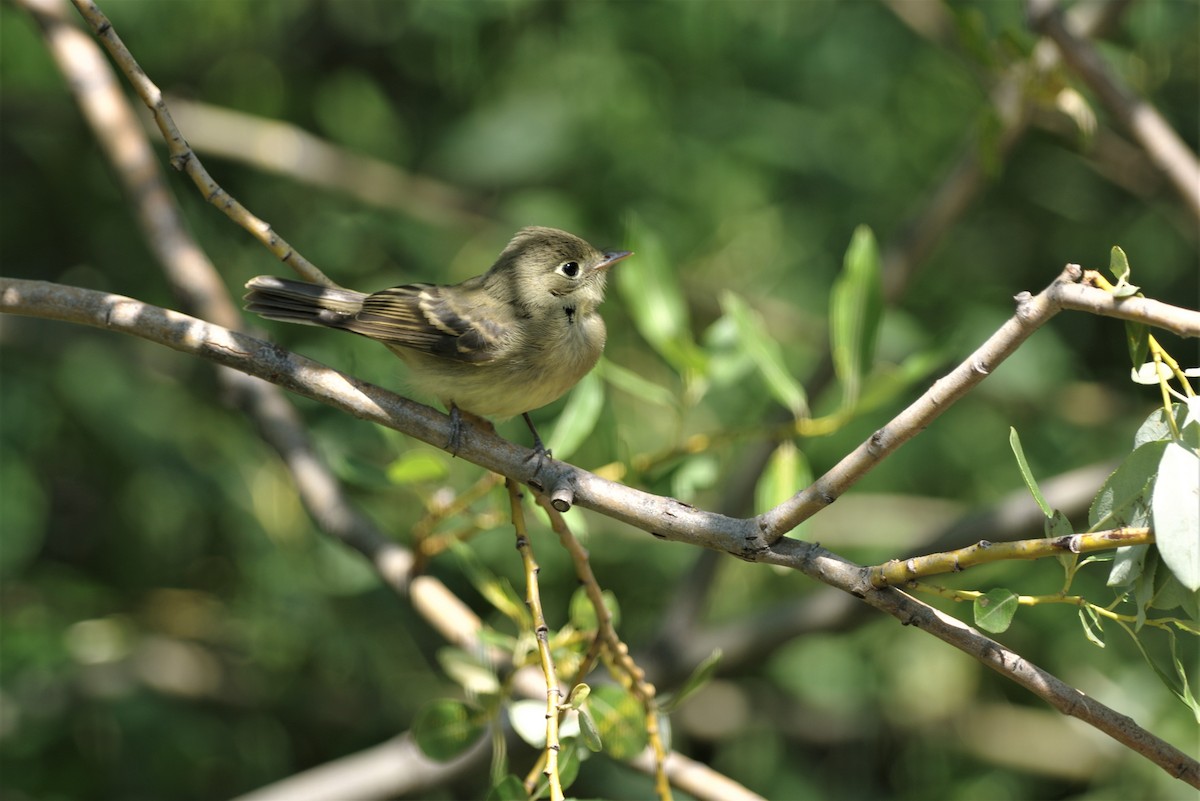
(500, 344)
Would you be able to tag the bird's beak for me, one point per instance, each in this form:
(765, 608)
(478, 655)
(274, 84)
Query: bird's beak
(611, 257)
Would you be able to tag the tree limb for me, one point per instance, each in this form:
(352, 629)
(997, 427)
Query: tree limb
(646, 511)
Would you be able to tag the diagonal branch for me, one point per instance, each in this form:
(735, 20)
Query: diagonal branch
(1165, 148)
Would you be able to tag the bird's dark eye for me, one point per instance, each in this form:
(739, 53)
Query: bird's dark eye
(569, 268)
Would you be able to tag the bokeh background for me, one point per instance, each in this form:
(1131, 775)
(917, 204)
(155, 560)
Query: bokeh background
(173, 627)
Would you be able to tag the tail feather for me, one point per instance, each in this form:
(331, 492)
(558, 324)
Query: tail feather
(301, 302)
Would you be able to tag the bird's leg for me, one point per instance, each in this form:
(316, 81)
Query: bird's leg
(540, 451)
(460, 420)
(456, 427)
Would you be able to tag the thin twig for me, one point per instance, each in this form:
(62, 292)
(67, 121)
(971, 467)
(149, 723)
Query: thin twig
(183, 157)
(898, 571)
(618, 651)
(533, 598)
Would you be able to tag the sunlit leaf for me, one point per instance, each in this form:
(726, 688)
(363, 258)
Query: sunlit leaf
(787, 472)
(578, 418)
(766, 353)
(1091, 626)
(1118, 264)
(528, 719)
(1124, 498)
(640, 388)
(1014, 440)
(855, 310)
(1175, 509)
(649, 287)
(995, 609)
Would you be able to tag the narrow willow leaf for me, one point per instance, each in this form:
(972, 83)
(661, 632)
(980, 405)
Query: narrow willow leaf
(1014, 440)
(699, 677)
(1089, 619)
(787, 472)
(579, 416)
(1175, 507)
(640, 388)
(766, 354)
(995, 609)
(446, 728)
(856, 307)
(651, 293)
(498, 591)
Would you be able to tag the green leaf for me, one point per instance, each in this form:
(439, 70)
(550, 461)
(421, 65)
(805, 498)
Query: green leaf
(856, 307)
(582, 613)
(1089, 619)
(578, 418)
(650, 290)
(1175, 509)
(589, 732)
(889, 381)
(629, 381)
(495, 589)
(579, 694)
(1157, 427)
(510, 788)
(468, 671)
(1014, 440)
(1137, 340)
(1118, 264)
(446, 728)
(766, 354)
(699, 677)
(787, 472)
(1124, 498)
(619, 721)
(568, 764)
(528, 720)
(995, 609)
(1127, 565)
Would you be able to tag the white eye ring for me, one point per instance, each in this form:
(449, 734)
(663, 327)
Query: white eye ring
(569, 268)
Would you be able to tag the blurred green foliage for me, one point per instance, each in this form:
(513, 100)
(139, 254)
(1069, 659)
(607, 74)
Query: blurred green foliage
(174, 627)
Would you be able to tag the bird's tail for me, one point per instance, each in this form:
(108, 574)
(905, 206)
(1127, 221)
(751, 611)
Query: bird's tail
(302, 302)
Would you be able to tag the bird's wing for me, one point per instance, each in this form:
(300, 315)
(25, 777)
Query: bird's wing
(426, 317)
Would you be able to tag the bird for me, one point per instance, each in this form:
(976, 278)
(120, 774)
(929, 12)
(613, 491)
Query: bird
(503, 343)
